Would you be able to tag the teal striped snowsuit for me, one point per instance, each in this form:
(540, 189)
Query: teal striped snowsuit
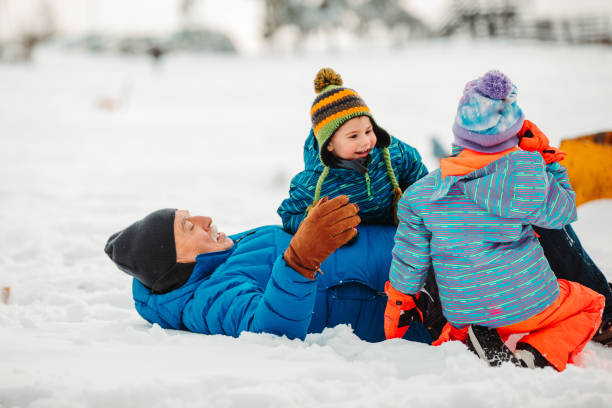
(475, 230)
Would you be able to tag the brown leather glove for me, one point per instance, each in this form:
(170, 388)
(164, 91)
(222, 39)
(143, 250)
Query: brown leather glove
(328, 226)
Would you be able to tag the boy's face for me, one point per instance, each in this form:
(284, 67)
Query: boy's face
(354, 139)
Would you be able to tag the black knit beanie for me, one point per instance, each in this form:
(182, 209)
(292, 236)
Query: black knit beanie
(146, 251)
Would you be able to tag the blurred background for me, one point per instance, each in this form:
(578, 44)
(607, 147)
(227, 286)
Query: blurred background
(161, 27)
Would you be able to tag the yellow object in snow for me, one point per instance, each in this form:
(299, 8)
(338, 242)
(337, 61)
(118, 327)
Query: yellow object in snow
(589, 165)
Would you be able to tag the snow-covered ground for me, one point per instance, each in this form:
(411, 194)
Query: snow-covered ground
(89, 144)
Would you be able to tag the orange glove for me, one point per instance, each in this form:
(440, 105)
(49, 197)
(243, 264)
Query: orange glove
(552, 154)
(400, 312)
(451, 333)
(328, 226)
(532, 139)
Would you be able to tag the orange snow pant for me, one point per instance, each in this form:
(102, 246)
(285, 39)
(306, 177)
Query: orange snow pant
(562, 330)
(559, 332)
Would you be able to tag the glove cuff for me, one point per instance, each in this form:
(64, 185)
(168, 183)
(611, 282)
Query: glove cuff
(293, 262)
(402, 300)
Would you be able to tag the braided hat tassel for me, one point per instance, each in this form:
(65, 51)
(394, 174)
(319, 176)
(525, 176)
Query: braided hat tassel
(317, 195)
(397, 191)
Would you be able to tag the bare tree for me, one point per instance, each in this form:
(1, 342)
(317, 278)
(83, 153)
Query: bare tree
(26, 31)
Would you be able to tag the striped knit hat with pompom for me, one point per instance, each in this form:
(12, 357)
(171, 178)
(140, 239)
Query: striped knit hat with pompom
(333, 106)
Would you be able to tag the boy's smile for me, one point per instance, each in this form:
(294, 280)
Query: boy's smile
(355, 139)
(363, 152)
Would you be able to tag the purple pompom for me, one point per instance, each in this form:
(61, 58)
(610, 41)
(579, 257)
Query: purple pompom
(495, 85)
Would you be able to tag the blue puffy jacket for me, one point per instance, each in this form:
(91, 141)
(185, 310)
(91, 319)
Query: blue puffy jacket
(249, 287)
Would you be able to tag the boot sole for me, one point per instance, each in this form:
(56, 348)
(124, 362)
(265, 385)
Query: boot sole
(495, 358)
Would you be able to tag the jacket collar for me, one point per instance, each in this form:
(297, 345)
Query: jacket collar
(359, 166)
(207, 263)
(442, 184)
(468, 161)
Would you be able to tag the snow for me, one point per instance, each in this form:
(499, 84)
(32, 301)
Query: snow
(91, 143)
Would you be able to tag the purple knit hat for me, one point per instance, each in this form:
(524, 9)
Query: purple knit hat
(488, 117)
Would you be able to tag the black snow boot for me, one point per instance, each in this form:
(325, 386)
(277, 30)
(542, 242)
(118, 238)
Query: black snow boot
(604, 334)
(530, 357)
(486, 344)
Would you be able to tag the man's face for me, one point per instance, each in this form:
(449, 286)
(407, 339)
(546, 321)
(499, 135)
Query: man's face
(194, 235)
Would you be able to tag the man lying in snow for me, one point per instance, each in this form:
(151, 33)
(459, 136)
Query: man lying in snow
(189, 276)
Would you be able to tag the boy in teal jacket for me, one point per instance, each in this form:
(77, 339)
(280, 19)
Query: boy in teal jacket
(347, 152)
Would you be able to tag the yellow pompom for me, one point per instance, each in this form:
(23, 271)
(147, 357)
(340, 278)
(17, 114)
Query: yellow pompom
(326, 77)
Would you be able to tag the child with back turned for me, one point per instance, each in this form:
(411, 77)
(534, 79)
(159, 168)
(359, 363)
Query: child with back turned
(471, 220)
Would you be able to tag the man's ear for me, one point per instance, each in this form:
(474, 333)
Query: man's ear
(330, 147)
